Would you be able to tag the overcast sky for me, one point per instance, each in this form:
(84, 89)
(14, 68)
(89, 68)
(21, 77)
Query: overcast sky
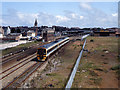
(69, 14)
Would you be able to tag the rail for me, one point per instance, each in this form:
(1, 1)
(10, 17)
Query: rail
(85, 36)
(70, 81)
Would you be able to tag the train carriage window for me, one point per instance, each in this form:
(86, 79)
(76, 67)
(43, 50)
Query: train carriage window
(56, 46)
(52, 49)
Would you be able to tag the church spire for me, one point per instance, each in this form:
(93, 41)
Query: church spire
(35, 24)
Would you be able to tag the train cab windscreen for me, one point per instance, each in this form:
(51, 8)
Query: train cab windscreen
(41, 53)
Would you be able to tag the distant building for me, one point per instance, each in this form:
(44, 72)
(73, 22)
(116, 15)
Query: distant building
(7, 30)
(1, 35)
(117, 32)
(12, 37)
(50, 30)
(48, 34)
(30, 34)
(104, 32)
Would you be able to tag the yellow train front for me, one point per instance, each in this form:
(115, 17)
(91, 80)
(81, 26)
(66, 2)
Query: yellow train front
(44, 51)
(41, 54)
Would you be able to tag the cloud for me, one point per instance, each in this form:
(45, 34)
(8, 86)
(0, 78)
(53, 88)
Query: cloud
(0, 21)
(61, 18)
(15, 18)
(46, 19)
(74, 15)
(88, 17)
(85, 5)
(81, 17)
(114, 14)
(26, 19)
(94, 17)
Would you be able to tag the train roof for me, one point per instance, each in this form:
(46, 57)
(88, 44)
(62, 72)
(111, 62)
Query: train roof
(52, 43)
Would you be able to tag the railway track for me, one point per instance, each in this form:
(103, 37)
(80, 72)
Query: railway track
(16, 64)
(25, 61)
(12, 53)
(19, 51)
(18, 56)
(13, 71)
(23, 76)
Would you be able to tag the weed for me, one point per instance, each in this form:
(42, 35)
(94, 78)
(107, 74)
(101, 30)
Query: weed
(81, 45)
(75, 47)
(105, 62)
(103, 55)
(92, 73)
(99, 69)
(84, 55)
(117, 67)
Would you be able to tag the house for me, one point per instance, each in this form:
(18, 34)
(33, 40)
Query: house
(30, 34)
(1, 32)
(7, 30)
(1, 35)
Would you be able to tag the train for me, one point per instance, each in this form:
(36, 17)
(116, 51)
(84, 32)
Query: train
(46, 50)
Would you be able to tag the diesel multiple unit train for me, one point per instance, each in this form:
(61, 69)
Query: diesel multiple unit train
(44, 51)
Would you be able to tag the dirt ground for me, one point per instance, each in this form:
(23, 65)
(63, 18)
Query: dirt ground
(99, 64)
(57, 72)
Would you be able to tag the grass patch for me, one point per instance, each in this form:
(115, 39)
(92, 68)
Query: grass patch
(51, 74)
(75, 46)
(96, 81)
(119, 59)
(19, 47)
(87, 66)
(118, 72)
